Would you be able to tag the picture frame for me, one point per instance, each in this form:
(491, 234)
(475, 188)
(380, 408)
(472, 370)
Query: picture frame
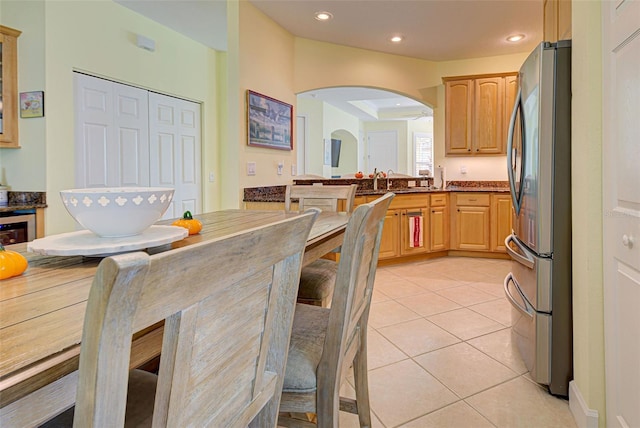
(269, 122)
(31, 104)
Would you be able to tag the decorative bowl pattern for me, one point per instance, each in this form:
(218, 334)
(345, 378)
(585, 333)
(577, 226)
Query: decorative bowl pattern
(117, 212)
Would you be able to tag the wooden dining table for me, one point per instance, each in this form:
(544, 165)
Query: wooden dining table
(42, 310)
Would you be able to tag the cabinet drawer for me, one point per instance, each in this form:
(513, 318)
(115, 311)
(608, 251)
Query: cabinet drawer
(439, 200)
(473, 199)
(410, 201)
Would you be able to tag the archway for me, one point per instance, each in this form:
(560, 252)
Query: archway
(356, 111)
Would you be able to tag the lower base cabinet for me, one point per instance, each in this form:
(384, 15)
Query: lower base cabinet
(415, 242)
(390, 240)
(470, 222)
(475, 222)
(439, 222)
(501, 221)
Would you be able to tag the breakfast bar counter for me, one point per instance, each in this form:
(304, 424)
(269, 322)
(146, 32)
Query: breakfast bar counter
(366, 187)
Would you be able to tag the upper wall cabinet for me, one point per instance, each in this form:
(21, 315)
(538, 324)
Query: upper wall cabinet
(477, 110)
(9, 87)
(557, 20)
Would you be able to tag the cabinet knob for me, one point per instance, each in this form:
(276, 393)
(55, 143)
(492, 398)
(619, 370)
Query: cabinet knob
(477, 150)
(627, 241)
(468, 150)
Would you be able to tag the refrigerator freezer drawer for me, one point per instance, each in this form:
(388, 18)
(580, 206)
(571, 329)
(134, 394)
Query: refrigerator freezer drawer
(531, 332)
(533, 274)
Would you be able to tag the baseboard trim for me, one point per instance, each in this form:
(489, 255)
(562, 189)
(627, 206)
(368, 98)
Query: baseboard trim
(583, 415)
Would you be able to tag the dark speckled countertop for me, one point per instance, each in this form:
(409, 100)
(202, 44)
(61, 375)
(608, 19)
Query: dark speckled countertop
(365, 187)
(24, 201)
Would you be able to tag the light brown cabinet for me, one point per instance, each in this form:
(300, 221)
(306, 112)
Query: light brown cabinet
(439, 222)
(9, 87)
(390, 240)
(501, 221)
(396, 240)
(466, 222)
(409, 245)
(458, 116)
(556, 20)
(470, 221)
(476, 118)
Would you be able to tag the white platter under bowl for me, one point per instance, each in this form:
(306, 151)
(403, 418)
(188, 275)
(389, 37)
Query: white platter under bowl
(86, 243)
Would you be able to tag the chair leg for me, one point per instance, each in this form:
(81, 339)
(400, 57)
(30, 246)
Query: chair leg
(362, 386)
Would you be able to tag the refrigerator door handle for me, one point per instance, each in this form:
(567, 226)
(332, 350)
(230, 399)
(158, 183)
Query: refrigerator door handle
(524, 310)
(522, 256)
(516, 194)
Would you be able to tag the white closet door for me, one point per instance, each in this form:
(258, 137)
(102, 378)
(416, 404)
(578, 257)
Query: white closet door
(175, 151)
(112, 134)
(621, 203)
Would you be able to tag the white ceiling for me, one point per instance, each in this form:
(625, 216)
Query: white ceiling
(434, 30)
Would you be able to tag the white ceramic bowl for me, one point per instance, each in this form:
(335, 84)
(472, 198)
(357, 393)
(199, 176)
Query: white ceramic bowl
(117, 212)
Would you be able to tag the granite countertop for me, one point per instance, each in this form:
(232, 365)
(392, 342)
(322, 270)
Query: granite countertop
(365, 187)
(24, 201)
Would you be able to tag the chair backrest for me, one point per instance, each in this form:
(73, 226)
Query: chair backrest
(323, 197)
(227, 306)
(349, 314)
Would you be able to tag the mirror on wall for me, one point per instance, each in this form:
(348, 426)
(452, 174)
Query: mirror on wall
(354, 116)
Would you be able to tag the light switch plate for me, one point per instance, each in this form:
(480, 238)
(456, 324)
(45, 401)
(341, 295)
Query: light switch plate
(251, 168)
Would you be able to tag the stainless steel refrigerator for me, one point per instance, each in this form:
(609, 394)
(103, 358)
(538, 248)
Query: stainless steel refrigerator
(539, 168)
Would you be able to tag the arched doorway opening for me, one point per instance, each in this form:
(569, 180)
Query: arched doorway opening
(357, 113)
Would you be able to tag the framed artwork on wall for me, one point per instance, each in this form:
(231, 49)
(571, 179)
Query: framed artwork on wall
(32, 104)
(269, 122)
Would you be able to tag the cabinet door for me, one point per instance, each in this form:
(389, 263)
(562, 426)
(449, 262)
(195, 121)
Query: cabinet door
(511, 91)
(488, 117)
(9, 87)
(458, 111)
(409, 243)
(472, 228)
(500, 221)
(390, 241)
(438, 229)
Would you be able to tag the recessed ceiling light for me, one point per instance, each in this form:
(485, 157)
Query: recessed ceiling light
(396, 39)
(515, 38)
(323, 16)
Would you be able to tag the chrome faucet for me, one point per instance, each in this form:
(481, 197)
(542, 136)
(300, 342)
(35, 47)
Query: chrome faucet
(376, 174)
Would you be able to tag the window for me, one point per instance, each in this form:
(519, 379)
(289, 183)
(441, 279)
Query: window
(423, 152)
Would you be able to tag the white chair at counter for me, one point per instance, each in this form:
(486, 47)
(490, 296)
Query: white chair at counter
(326, 342)
(227, 306)
(317, 278)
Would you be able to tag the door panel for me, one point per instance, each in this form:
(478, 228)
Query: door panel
(175, 148)
(112, 134)
(382, 150)
(621, 257)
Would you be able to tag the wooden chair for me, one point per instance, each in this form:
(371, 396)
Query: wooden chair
(322, 197)
(326, 342)
(227, 307)
(317, 278)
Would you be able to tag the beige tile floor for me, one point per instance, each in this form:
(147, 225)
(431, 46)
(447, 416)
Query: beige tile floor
(440, 352)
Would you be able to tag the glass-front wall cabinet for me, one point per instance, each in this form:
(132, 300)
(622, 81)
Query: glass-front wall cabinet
(9, 87)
